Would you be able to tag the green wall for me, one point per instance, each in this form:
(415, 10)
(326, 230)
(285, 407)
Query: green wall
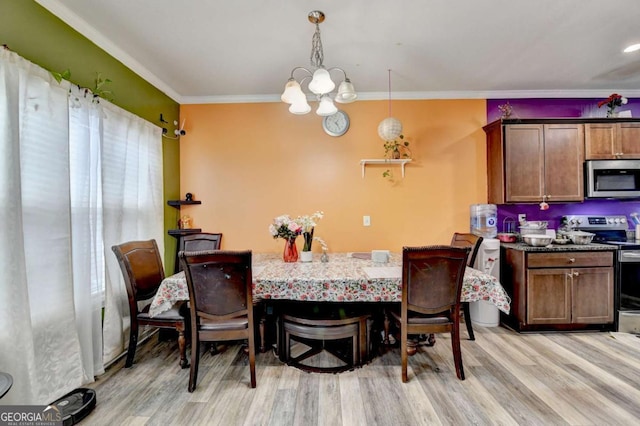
(31, 31)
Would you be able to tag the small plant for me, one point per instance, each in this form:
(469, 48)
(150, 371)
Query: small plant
(98, 90)
(59, 76)
(397, 148)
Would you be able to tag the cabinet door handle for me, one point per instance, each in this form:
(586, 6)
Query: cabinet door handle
(572, 260)
(576, 273)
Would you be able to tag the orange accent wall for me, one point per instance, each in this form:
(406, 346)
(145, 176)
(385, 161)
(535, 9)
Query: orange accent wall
(249, 163)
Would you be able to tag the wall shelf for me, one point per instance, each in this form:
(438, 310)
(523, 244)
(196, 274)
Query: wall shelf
(400, 162)
(182, 232)
(178, 203)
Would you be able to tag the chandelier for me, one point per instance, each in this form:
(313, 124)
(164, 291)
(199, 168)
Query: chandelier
(320, 83)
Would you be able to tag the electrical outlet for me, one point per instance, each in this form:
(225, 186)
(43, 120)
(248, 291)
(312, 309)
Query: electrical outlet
(522, 217)
(366, 220)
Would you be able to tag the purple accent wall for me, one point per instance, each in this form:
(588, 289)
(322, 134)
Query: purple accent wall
(555, 212)
(561, 108)
(557, 108)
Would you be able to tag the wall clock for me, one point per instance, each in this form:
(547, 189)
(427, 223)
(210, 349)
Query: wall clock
(336, 124)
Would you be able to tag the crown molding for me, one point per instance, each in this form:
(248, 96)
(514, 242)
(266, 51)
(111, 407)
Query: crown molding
(80, 25)
(377, 96)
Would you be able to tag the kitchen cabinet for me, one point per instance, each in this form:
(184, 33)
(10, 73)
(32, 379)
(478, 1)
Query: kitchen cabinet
(559, 290)
(535, 161)
(611, 140)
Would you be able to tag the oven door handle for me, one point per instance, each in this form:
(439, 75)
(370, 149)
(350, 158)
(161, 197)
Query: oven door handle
(630, 255)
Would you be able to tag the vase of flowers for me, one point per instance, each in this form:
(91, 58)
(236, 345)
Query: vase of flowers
(612, 102)
(290, 253)
(288, 229)
(308, 224)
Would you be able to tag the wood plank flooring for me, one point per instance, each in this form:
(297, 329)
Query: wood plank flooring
(511, 379)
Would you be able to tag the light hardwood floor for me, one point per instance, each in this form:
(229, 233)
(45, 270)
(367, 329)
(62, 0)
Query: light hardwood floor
(511, 379)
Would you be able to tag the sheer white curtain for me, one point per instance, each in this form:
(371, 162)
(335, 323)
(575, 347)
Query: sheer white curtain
(58, 168)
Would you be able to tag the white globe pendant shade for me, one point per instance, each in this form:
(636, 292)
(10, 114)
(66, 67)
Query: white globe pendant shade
(389, 129)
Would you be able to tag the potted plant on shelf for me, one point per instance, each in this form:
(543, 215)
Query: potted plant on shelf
(396, 149)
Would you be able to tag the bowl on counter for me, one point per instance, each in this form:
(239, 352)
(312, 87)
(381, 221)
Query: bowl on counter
(507, 237)
(537, 240)
(561, 241)
(581, 237)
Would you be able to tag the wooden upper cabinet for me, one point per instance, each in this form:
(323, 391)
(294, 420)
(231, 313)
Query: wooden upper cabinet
(563, 162)
(544, 162)
(524, 162)
(604, 141)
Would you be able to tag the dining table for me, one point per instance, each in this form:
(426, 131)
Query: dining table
(346, 277)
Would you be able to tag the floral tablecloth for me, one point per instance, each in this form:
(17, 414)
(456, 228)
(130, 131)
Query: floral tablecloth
(343, 279)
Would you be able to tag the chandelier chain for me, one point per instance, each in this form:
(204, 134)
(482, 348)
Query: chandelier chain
(317, 55)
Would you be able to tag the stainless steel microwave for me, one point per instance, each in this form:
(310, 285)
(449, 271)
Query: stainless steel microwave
(612, 178)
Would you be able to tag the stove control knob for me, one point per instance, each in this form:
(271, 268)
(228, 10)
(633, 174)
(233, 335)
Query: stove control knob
(623, 220)
(610, 220)
(579, 221)
(616, 220)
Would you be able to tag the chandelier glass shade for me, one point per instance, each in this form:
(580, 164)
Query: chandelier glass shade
(319, 80)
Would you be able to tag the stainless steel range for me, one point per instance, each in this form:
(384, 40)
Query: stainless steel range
(612, 229)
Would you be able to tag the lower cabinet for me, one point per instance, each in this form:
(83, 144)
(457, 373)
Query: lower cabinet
(559, 290)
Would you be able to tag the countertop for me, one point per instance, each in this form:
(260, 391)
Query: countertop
(560, 247)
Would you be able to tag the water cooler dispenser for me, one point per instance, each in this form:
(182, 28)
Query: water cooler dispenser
(484, 313)
(484, 220)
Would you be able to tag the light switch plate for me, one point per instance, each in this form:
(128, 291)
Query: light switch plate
(366, 220)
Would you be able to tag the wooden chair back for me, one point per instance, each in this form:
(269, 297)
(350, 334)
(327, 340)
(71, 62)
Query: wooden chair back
(468, 240)
(142, 269)
(199, 242)
(432, 278)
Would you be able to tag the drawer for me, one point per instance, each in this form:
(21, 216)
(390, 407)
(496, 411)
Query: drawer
(569, 259)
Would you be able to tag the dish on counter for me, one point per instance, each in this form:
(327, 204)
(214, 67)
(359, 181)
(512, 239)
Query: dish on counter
(561, 241)
(581, 237)
(507, 237)
(536, 240)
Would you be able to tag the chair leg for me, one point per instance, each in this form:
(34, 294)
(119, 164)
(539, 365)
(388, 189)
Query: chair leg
(467, 320)
(182, 346)
(195, 359)
(403, 353)
(133, 342)
(252, 358)
(457, 354)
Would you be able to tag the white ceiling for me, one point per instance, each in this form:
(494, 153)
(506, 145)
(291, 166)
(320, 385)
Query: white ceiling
(205, 51)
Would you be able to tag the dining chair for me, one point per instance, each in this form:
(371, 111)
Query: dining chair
(474, 241)
(198, 242)
(431, 285)
(142, 269)
(221, 302)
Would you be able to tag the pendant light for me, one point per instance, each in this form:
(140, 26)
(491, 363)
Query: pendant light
(390, 128)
